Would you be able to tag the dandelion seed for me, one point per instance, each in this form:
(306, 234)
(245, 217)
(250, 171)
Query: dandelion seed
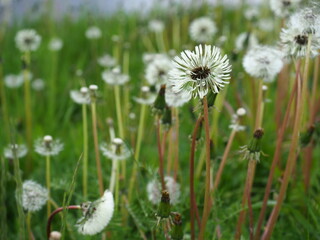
(34, 196)
(147, 97)
(55, 44)
(156, 26)
(80, 97)
(93, 32)
(13, 151)
(154, 190)
(38, 84)
(283, 8)
(202, 30)
(96, 215)
(115, 77)
(157, 71)
(107, 61)
(116, 150)
(246, 40)
(13, 81)
(263, 62)
(48, 147)
(200, 71)
(27, 40)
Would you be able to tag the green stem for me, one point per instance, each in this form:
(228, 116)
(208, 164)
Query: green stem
(4, 104)
(118, 110)
(96, 146)
(85, 151)
(207, 201)
(30, 237)
(52, 87)
(48, 183)
(138, 147)
(117, 184)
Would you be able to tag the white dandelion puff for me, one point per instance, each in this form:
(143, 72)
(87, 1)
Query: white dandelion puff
(147, 97)
(283, 8)
(47, 146)
(235, 121)
(38, 84)
(307, 20)
(200, 71)
(34, 196)
(55, 235)
(150, 57)
(246, 40)
(115, 77)
(55, 44)
(263, 62)
(154, 190)
(15, 150)
(93, 32)
(202, 30)
(13, 81)
(174, 99)
(27, 40)
(156, 26)
(116, 150)
(252, 13)
(80, 97)
(107, 61)
(157, 71)
(96, 215)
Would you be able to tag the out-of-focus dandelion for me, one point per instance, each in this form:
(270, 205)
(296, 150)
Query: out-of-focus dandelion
(117, 150)
(154, 190)
(174, 99)
(38, 84)
(55, 44)
(246, 40)
(96, 215)
(34, 196)
(202, 30)
(263, 62)
(81, 97)
(55, 235)
(157, 71)
(235, 122)
(147, 97)
(13, 81)
(48, 146)
(200, 71)
(252, 151)
(107, 61)
(283, 8)
(156, 26)
(252, 13)
(27, 40)
(115, 77)
(93, 32)
(13, 151)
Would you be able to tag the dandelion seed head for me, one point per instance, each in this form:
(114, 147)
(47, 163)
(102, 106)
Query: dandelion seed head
(97, 215)
(246, 40)
(251, 13)
(38, 84)
(263, 62)
(116, 150)
(200, 71)
(55, 44)
(307, 20)
(174, 99)
(93, 32)
(115, 77)
(147, 97)
(80, 97)
(107, 61)
(47, 146)
(150, 57)
(34, 196)
(13, 81)
(157, 71)
(15, 150)
(202, 29)
(283, 8)
(27, 40)
(156, 26)
(154, 190)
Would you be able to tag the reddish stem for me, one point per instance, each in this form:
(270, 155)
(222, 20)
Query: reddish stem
(54, 213)
(163, 185)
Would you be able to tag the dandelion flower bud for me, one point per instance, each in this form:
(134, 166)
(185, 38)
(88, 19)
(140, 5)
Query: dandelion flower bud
(201, 71)
(253, 150)
(164, 205)
(263, 62)
(34, 196)
(202, 30)
(13, 151)
(96, 215)
(27, 40)
(177, 231)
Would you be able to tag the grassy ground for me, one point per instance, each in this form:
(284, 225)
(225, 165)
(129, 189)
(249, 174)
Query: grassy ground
(54, 113)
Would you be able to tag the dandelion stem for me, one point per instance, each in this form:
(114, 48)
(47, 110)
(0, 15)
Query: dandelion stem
(290, 162)
(163, 186)
(50, 218)
(138, 147)
(118, 110)
(27, 102)
(96, 146)
(48, 183)
(274, 164)
(4, 104)
(207, 201)
(117, 184)
(30, 235)
(176, 145)
(85, 151)
(192, 195)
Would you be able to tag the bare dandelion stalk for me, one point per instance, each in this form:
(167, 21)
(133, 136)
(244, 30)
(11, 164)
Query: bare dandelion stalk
(48, 177)
(161, 164)
(274, 164)
(118, 110)
(27, 102)
(176, 145)
(30, 235)
(85, 150)
(207, 201)
(192, 195)
(93, 89)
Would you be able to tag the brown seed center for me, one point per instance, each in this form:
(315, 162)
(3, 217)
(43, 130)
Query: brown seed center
(200, 73)
(301, 39)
